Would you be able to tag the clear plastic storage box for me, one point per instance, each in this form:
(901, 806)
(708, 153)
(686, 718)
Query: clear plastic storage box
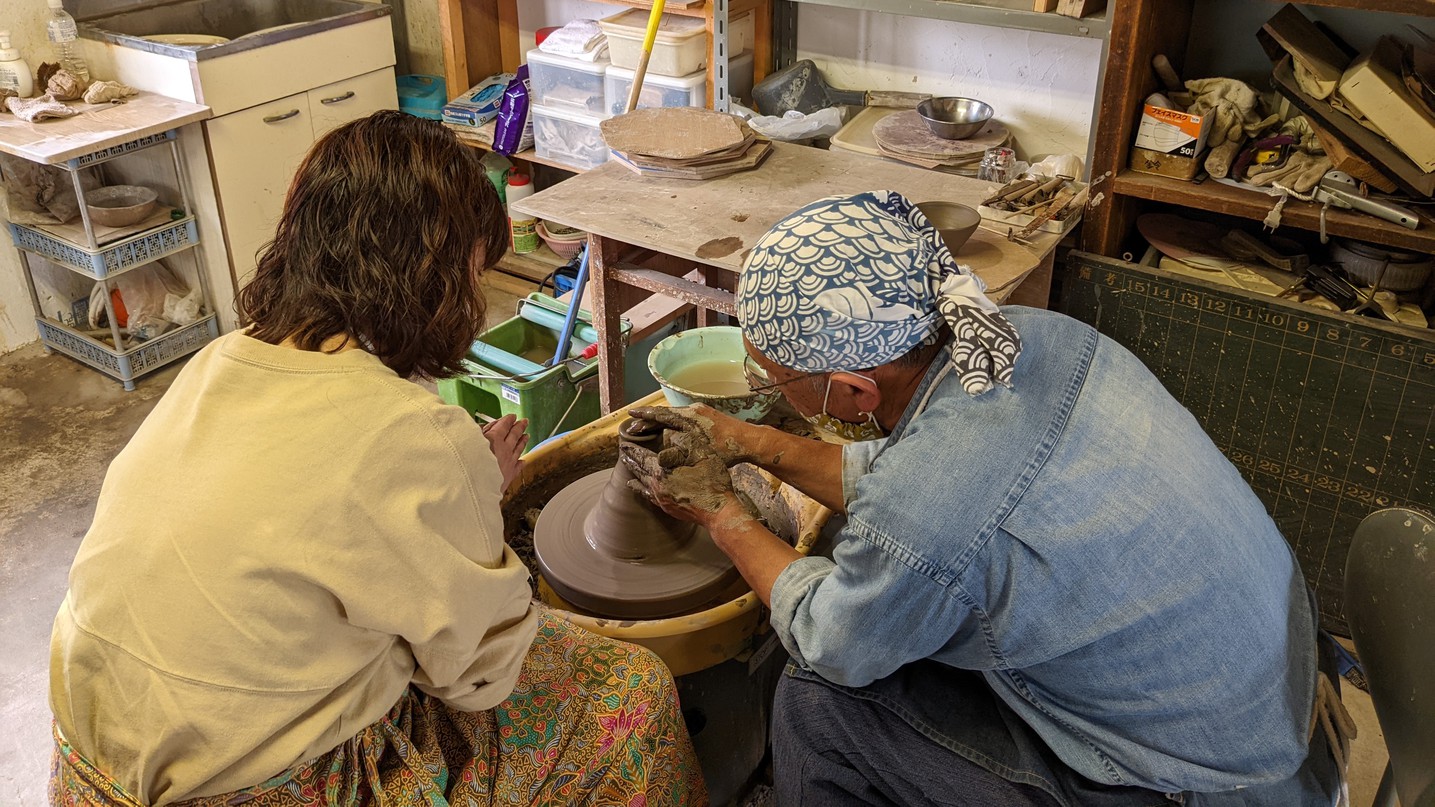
(560, 82)
(681, 46)
(568, 137)
(661, 91)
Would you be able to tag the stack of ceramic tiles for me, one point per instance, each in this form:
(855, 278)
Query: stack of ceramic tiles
(903, 136)
(684, 143)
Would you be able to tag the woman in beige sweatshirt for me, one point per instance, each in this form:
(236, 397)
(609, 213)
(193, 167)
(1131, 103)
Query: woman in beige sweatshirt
(295, 590)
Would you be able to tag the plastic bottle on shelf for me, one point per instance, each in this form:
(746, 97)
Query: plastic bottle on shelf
(14, 72)
(63, 35)
(523, 227)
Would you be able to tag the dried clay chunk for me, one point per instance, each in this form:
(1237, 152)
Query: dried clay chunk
(66, 86)
(47, 69)
(103, 92)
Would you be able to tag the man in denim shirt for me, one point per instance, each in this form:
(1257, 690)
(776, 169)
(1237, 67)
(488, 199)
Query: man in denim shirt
(1051, 587)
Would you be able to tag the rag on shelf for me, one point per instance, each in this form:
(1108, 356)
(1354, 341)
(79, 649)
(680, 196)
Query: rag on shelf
(579, 39)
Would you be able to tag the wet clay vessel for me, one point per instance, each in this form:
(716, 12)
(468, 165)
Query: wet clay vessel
(606, 550)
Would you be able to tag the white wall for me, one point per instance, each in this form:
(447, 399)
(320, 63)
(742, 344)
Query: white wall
(1043, 85)
(26, 21)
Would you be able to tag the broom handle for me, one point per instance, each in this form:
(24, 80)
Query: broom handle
(654, 17)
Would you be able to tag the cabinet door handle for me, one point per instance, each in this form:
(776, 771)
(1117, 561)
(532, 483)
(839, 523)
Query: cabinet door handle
(336, 99)
(283, 116)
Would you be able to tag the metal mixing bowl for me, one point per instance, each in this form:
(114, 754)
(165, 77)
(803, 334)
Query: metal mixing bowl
(955, 222)
(955, 118)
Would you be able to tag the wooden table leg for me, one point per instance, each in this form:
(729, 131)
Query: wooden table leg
(717, 279)
(608, 319)
(1035, 289)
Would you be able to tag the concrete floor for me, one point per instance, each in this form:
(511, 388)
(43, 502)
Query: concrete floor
(62, 424)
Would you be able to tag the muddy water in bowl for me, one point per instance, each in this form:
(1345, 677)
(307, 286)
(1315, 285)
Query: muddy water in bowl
(716, 377)
(704, 365)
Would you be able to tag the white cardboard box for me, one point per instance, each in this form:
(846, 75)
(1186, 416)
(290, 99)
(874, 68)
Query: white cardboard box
(1373, 88)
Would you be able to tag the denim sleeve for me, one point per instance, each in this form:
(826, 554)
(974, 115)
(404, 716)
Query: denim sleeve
(862, 615)
(856, 462)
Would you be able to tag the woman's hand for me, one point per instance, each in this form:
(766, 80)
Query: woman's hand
(702, 430)
(507, 436)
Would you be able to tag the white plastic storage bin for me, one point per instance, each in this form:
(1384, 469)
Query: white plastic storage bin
(571, 138)
(559, 82)
(681, 46)
(661, 91)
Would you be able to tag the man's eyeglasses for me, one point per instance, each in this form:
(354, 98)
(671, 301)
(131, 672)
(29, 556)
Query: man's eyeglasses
(758, 379)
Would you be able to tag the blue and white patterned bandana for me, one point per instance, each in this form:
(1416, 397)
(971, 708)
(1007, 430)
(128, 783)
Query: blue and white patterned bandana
(854, 282)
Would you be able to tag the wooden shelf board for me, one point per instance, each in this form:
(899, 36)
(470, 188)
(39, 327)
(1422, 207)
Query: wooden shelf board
(1214, 197)
(685, 8)
(534, 266)
(529, 156)
(1421, 8)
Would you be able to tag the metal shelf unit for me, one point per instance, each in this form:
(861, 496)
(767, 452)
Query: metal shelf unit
(128, 358)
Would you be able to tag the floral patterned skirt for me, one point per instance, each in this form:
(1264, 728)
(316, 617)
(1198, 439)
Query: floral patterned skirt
(591, 721)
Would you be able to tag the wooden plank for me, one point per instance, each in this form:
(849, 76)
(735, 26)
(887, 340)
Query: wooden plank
(718, 221)
(607, 318)
(688, 291)
(1079, 8)
(510, 52)
(468, 138)
(470, 30)
(1218, 198)
(534, 266)
(762, 44)
(1419, 8)
(1140, 29)
(684, 8)
(1044, 6)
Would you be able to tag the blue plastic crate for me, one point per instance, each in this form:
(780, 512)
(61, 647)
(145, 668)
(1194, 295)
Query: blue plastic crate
(141, 358)
(423, 96)
(111, 259)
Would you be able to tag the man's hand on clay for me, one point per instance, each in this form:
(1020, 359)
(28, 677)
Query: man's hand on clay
(507, 437)
(701, 430)
(695, 492)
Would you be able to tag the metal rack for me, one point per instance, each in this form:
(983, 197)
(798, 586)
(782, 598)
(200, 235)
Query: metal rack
(129, 357)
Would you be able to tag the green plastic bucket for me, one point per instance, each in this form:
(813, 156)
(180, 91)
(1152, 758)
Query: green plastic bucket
(506, 375)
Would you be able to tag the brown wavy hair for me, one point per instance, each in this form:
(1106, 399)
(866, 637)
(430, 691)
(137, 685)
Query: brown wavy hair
(386, 229)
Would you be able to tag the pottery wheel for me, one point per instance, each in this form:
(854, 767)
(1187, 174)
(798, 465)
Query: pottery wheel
(906, 133)
(693, 573)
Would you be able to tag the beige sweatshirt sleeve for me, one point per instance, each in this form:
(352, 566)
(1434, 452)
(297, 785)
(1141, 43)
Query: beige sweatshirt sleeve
(439, 575)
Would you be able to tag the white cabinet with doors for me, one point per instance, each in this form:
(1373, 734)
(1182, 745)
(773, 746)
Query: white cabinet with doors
(255, 152)
(270, 105)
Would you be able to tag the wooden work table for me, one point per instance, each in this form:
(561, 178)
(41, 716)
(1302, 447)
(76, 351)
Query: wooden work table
(716, 223)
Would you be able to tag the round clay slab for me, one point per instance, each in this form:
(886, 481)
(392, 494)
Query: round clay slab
(905, 132)
(695, 573)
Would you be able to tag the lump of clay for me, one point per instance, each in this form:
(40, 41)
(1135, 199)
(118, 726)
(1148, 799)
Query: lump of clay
(32, 110)
(66, 86)
(103, 92)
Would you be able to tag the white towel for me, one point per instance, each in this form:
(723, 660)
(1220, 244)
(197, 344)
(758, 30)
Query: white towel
(579, 39)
